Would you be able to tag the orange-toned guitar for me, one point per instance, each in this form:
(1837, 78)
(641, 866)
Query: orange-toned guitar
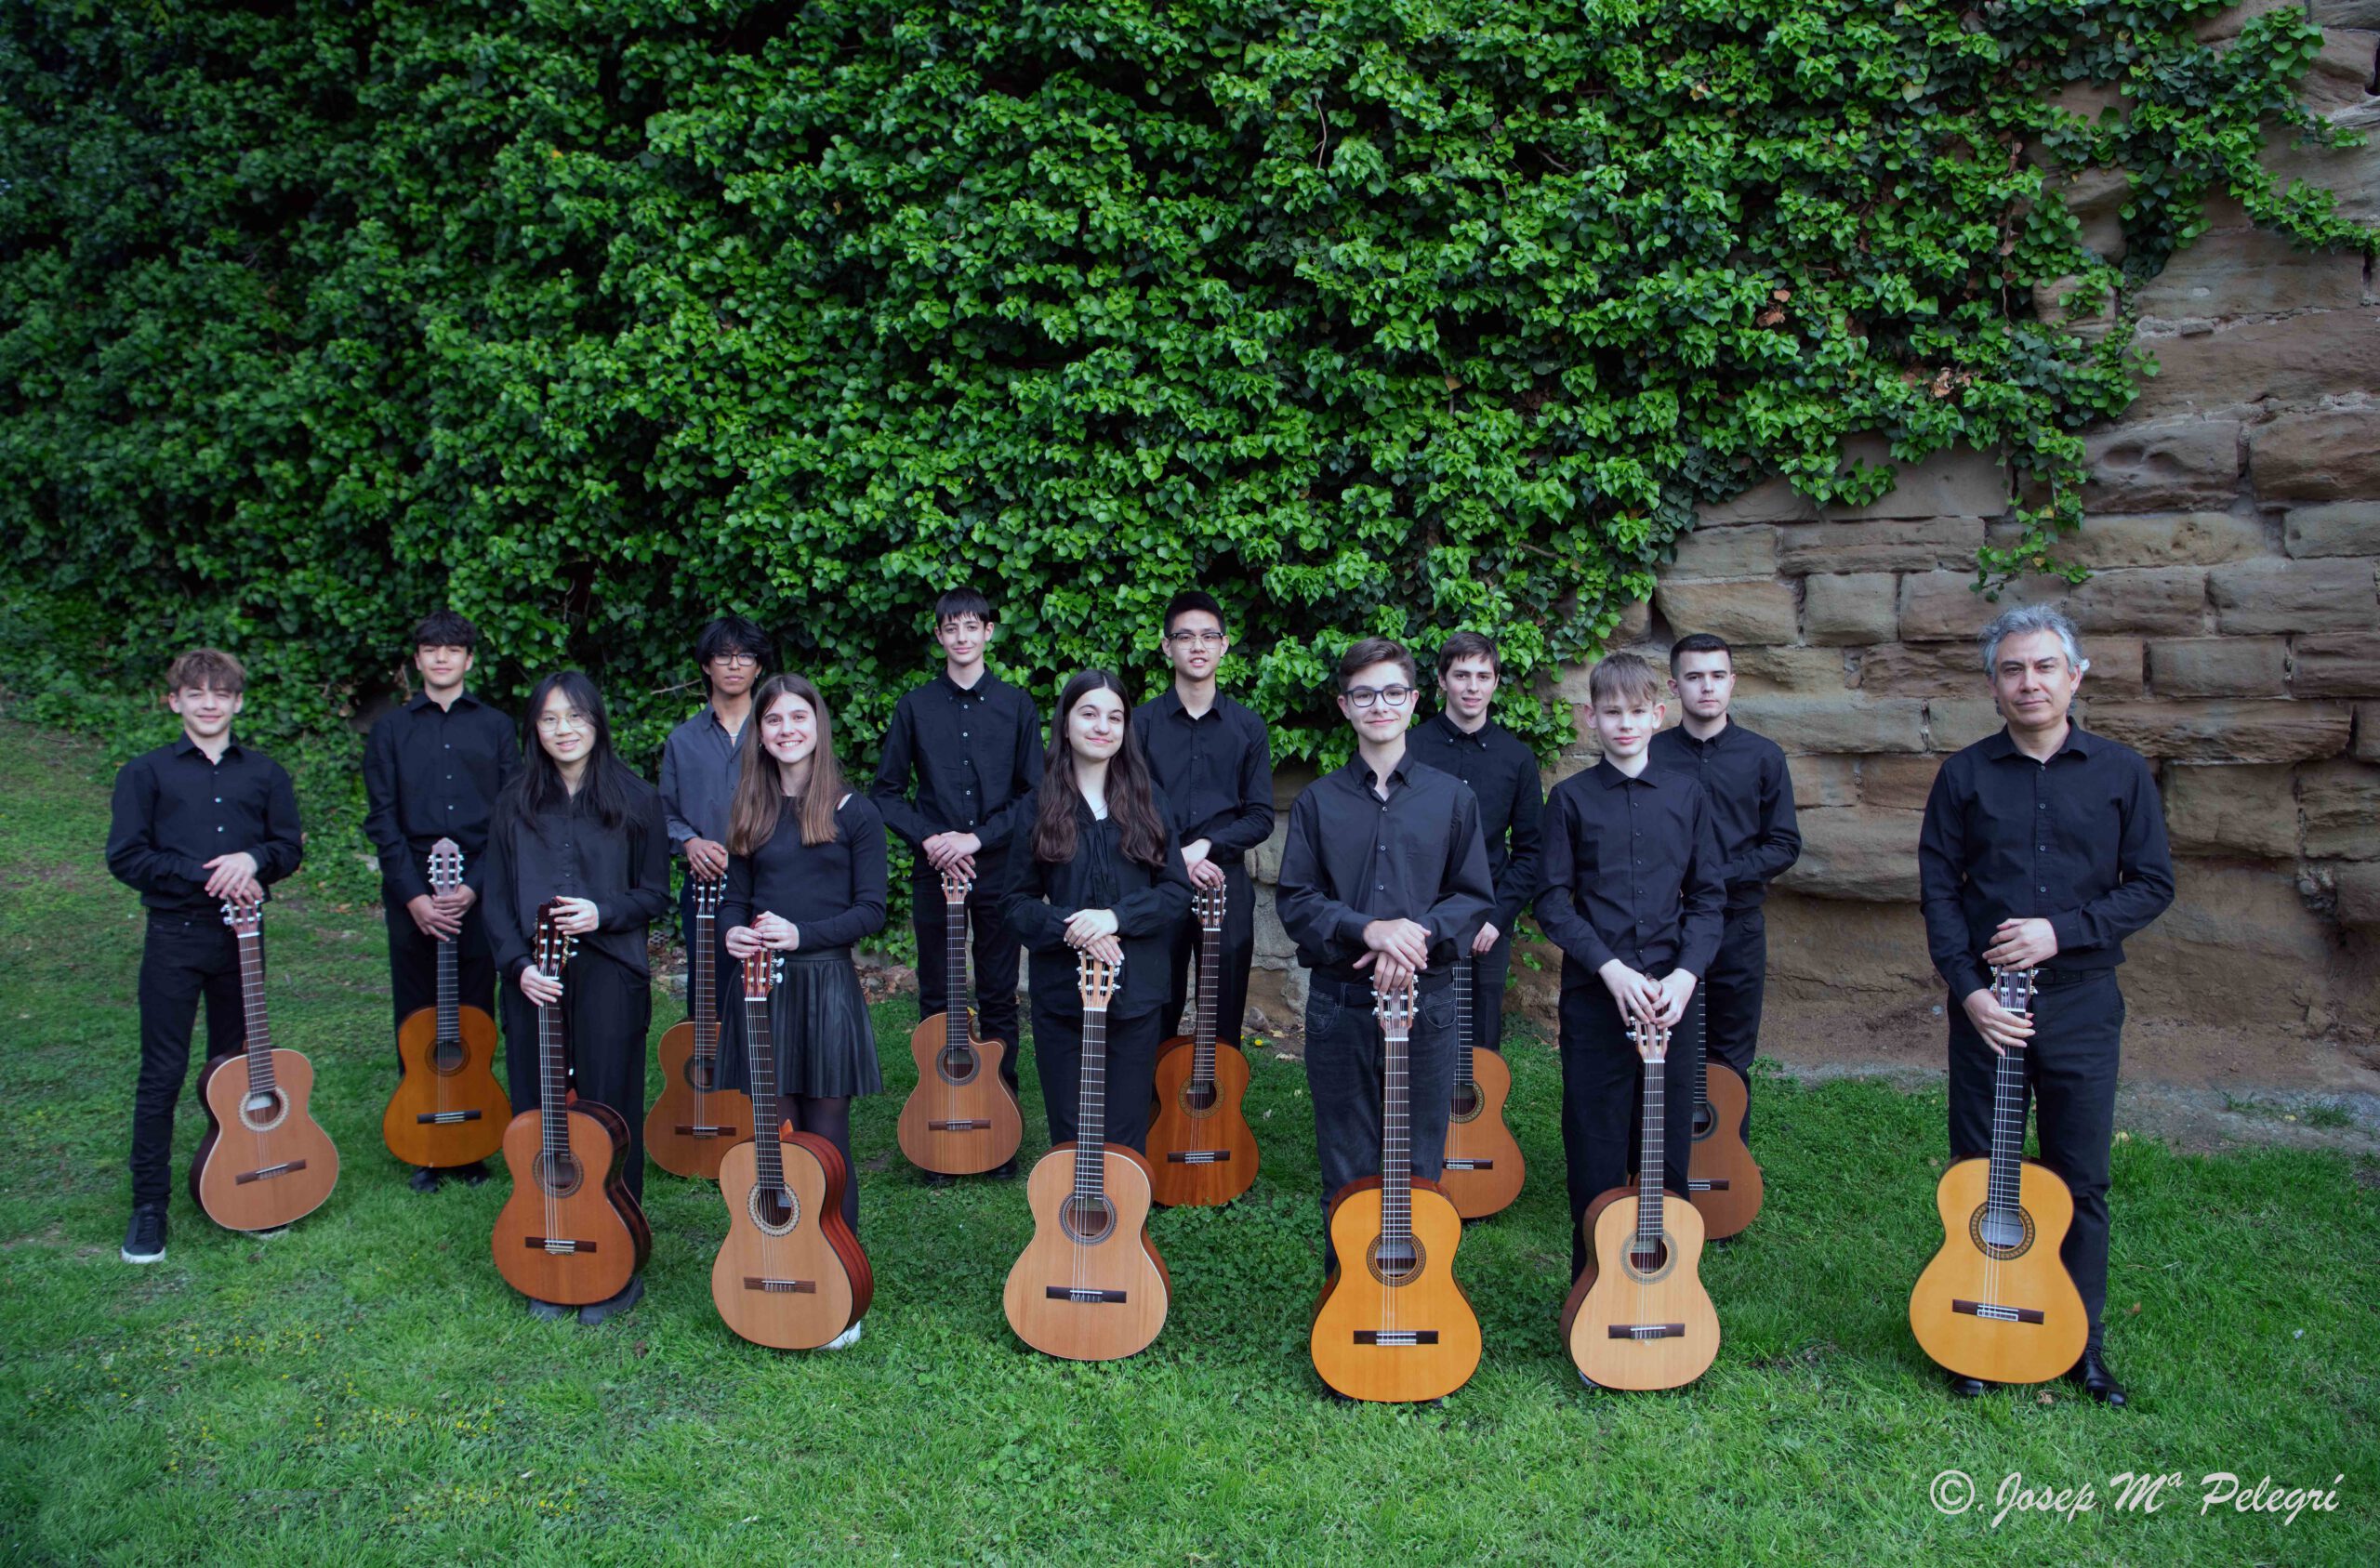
(1484, 1165)
(1639, 1318)
(1996, 1302)
(1201, 1149)
(695, 1121)
(571, 1232)
(448, 1109)
(790, 1273)
(265, 1161)
(962, 1118)
(1392, 1325)
(1723, 1179)
(1090, 1285)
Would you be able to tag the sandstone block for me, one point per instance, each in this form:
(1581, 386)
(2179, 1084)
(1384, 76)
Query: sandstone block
(2251, 272)
(2168, 601)
(2286, 596)
(1772, 500)
(1724, 552)
(1801, 671)
(1960, 482)
(2334, 528)
(1898, 783)
(2347, 13)
(2226, 731)
(1879, 545)
(1869, 856)
(2359, 894)
(2341, 802)
(2351, 174)
(2336, 663)
(2337, 86)
(1636, 623)
(1850, 609)
(1272, 939)
(1753, 609)
(1955, 723)
(2293, 358)
(2232, 810)
(2162, 465)
(2219, 667)
(2322, 454)
(1850, 723)
(1921, 669)
(2367, 732)
(2157, 539)
(1823, 781)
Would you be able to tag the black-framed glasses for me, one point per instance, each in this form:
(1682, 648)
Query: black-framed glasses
(1194, 638)
(1365, 696)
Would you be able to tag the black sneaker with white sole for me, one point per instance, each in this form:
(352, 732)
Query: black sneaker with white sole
(144, 1239)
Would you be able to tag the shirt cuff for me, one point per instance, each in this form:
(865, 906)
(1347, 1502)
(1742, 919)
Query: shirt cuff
(2067, 928)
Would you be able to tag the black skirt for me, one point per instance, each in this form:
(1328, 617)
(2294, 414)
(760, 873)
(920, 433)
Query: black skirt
(826, 1044)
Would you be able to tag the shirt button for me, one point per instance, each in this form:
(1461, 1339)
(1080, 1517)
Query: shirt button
(2041, 889)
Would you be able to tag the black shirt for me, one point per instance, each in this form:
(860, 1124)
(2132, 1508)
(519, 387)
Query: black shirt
(1353, 858)
(974, 754)
(1502, 771)
(833, 892)
(699, 762)
(431, 773)
(1632, 873)
(567, 852)
(1148, 901)
(174, 810)
(2078, 839)
(1751, 800)
(1216, 772)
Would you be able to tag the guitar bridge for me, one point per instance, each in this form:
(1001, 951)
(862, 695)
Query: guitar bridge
(446, 1119)
(703, 1131)
(782, 1287)
(974, 1126)
(1992, 1312)
(559, 1246)
(1471, 1165)
(1082, 1293)
(268, 1172)
(1647, 1331)
(1197, 1157)
(1392, 1339)
(1707, 1184)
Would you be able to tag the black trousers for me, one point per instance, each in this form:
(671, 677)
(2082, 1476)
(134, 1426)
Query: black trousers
(2070, 1067)
(1344, 1060)
(727, 987)
(607, 1011)
(1731, 994)
(1234, 959)
(996, 953)
(185, 958)
(1131, 1073)
(1603, 1103)
(1490, 972)
(413, 962)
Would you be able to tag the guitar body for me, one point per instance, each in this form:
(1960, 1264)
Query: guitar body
(2027, 1276)
(1484, 1169)
(259, 1170)
(448, 1109)
(792, 1276)
(961, 1119)
(1088, 1286)
(1358, 1308)
(1614, 1292)
(1201, 1150)
(1725, 1178)
(685, 1135)
(590, 1206)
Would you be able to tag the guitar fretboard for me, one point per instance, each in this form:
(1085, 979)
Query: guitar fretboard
(1464, 1071)
(954, 969)
(759, 1046)
(1395, 1132)
(703, 962)
(1090, 1108)
(259, 1027)
(2003, 1184)
(1202, 1038)
(1653, 1154)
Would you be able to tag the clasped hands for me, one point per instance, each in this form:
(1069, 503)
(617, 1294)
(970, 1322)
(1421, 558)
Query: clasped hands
(1093, 931)
(1648, 1000)
(2016, 944)
(766, 931)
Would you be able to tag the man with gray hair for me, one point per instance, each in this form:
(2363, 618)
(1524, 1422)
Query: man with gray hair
(2043, 847)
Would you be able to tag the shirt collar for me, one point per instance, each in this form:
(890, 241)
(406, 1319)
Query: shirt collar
(983, 688)
(421, 700)
(1455, 734)
(1612, 778)
(1715, 742)
(184, 746)
(1359, 772)
(2002, 745)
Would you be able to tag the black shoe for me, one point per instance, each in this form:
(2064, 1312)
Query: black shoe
(472, 1175)
(549, 1311)
(144, 1239)
(424, 1179)
(1968, 1387)
(935, 1178)
(2097, 1379)
(1005, 1172)
(612, 1307)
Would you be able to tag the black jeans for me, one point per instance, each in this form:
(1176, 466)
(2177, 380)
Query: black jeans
(1235, 957)
(1131, 1074)
(606, 1010)
(1603, 1106)
(1731, 994)
(184, 957)
(1343, 1066)
(2070, 1068)
(996, 953)
(1490, 972)
(413, 962)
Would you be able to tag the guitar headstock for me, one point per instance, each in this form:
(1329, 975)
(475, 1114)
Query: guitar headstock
(1395, 1010)
(246, 919)
(1095, 981)
(707, 894)
(1651, 1040)
(761, 972)
(445, 866)
(1209, 904)
(2013, 989)
(955, 885)
(551, 947)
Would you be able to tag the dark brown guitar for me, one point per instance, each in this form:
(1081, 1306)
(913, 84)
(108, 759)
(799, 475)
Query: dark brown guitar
(962, 1118)
(1201, 1150)
(695, 1121)
(1724, 1180)
(1484, 1165)
(571, 1232)
(265, 1161)
(448, 1109)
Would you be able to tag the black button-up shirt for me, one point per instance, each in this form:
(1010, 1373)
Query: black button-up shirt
(2079, 840)
(1215, 771)
(174, 810)
(973, 754)
(1502, 771)
(1632, 873)
(1751, 800)
(698, 768)
(433, 773)
(1148, 901)
(833, 892)
(567, 852)
(1353, 858)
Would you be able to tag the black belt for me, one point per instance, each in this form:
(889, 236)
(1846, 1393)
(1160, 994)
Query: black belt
(2059, 980)
(1359, 993)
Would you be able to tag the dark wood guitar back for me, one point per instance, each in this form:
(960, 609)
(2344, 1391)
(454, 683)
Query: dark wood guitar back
(1484, 1169)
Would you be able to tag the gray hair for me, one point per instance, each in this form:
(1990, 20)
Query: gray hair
(2027, 618)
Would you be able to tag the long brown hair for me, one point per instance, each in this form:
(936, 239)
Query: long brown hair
(760, 794)
(1139, 831)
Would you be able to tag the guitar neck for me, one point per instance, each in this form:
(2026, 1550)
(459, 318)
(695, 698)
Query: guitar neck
(1396, 1136)
(1653, 1155)
(1463, 1072)
(1202, 1038)
(1091, 1107)
(2004, 1182)
(259, 1027)
(954, 969)
(450, 993)
(553, 1080)
(759, 1048)
(704, 963)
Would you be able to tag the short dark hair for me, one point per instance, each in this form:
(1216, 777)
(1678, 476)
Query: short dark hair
(1189, 599)
(1468, 645)
(208, 669)
(732, 634)
(962, 601)
(1377, 651)
(444, 628)
(1701, 642)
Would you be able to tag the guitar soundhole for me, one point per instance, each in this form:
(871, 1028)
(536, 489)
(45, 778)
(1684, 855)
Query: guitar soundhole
(446, 1057)
(702, 1074)
(262, 1112)
(1200, 1099)
(1703, 1122)
(1394, 1262)
(2000, 1232)
(1466, 1102)
(1088, 1219)
(775, 1210)
(1647, 1259)
(958, 1064)
(559, 1175)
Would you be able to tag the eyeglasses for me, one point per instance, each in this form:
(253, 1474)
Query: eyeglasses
(550, 723)
(1365, 696)
(734, 661)
(1194, 638)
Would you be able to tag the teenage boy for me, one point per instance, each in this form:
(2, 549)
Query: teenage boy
(1631, 894)
(195, 825)
(2042, 849)
(962, 751)
(1214, 764)
(1502, 770)
(431, 769)
(1743, 776)
(1383, 880)
(698, 768)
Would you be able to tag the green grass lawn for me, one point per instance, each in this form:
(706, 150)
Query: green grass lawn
(365, 1389)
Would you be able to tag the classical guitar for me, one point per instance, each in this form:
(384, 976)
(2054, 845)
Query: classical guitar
(1392, 1325)
(1996, 1302)
(1090, 1285)
(695, 1121)
(1201, 1149)
(448, 1109)
(790, 1273)
(962, 1118)
(265, 1161)
(571, 1232)
(1723, 1179)
(1484, 1164)
(1638, 1317)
